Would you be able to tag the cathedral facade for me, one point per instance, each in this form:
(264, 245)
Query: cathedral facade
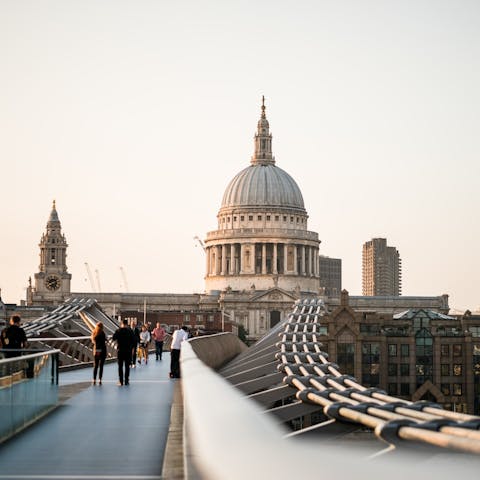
(262, 239)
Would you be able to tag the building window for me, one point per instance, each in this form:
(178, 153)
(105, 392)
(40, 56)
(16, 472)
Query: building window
(421, 321)
(268, 218)
(457, 369)
(392, 350)
(371, 364)
(392, 369)
(186, 318)
(404, 369)
(234, 219)
(250, 218)
(284, 218)
(445, 388)
(392, 389)
(291, 219)
(346, 358)
(323, 330)
(457, 350)
(210, 318)
(199, 318)
(475, 331)
(404, 350)
(277, 218)
(476, 367)
(424, 356)
(369, 330)
(259, 217)
(242, 218)
(445, 350)
(445, 369)
(404, 389)
(457, 389)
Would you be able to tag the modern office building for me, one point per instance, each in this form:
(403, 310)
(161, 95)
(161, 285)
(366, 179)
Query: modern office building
(330, 270)
(382, 269)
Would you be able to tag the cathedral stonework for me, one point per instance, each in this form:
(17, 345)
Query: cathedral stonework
(52, 282)
(262, 239)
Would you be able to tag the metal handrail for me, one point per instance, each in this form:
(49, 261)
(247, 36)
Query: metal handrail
(229, 436)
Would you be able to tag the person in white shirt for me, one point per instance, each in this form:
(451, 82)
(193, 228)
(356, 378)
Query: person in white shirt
(143, 345)
(178, 337)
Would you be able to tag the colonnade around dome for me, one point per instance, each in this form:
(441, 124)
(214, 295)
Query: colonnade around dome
(261, 262)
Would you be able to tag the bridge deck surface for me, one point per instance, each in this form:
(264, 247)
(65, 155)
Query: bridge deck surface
(101, 432)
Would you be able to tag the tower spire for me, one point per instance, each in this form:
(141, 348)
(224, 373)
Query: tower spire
(53, 214)
(263, 141)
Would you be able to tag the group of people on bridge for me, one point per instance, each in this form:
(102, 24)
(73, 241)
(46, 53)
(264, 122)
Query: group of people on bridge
(133, 345)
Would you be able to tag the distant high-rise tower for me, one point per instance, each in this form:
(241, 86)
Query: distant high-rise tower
(382, 269)
(330, 276)
(52, 282)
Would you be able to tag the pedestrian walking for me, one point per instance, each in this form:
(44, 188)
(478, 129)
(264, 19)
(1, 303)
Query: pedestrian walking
(99, 340)
(13, 337)
(179, 336)
(143, 345)
(136, 333)
(158, 335)
(125, 344)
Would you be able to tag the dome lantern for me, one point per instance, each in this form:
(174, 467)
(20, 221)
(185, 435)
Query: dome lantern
(263, 141)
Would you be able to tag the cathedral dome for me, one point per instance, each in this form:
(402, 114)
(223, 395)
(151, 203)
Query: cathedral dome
(263, 185)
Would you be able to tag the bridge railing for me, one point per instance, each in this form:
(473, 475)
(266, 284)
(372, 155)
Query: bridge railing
(28, 389)
(228, 435)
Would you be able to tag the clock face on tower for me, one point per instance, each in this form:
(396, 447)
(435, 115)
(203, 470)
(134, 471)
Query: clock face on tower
(52, 282)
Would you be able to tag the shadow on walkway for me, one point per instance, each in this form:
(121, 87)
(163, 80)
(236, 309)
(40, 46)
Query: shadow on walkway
(101, 431)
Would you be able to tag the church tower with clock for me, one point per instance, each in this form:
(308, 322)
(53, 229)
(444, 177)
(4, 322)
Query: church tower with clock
(52, 282)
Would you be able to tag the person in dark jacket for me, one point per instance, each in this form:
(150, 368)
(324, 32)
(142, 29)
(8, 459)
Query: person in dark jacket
(136, 333)
(125, 344)
(99, 340)
(14, 337)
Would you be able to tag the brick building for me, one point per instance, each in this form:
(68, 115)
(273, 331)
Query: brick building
(419, 354)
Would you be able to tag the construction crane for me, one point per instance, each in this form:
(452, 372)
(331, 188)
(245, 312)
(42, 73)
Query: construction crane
(90, 277)
(200, 242)
(125, 283)
(97, 275)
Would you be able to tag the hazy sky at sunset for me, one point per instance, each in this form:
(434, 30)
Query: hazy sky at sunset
(135, 115)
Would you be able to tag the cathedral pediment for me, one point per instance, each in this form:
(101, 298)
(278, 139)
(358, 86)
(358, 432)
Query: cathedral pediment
(273, 295)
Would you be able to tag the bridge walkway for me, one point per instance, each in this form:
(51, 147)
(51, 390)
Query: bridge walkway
(101, 432)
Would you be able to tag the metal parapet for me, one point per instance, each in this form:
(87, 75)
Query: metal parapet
(291, 377)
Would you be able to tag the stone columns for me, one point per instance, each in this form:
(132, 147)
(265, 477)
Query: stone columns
(302, 260)
(264, 258)
(218, 249)
(309, 261)
(295, 260)
(224, 260)
(274, 266)
(232, 260)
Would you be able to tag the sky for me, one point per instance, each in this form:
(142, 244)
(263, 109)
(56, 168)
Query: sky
(135, 115)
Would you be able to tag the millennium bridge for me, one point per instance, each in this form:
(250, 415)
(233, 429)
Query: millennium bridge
(276, 410)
